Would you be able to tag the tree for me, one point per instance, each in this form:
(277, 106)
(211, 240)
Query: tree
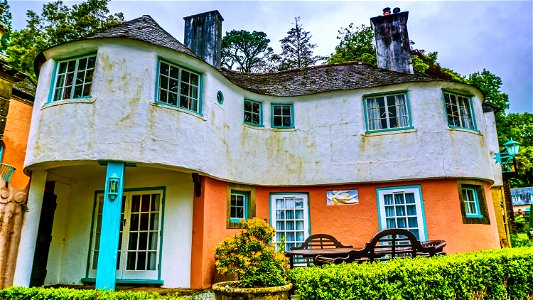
(247, 51)
(490, 85)
(355, 45)
(5, 17)
(296, 48)
(57, 24)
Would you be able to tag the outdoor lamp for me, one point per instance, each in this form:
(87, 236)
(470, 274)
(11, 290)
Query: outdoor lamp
(112, 186)
(512, 147)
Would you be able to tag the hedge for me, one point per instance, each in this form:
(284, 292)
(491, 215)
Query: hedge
(495, 274)
(19, 293)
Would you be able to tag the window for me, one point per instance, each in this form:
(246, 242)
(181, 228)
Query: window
(73, 78)
(178, 87)
(473, 203)
(387, 112)
(459, 111)
(239, 206)
(290, 218)
(402, 207)
(282, 116)
(139, 239)
(253, 112)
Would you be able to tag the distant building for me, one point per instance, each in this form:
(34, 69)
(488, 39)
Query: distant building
(154, 155)
(522, 198)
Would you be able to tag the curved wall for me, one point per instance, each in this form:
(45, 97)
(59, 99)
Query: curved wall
(327, 146)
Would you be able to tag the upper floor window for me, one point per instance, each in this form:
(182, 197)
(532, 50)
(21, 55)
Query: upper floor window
(178, 87)
(253, 112)
(387, 112)
(459, 111)
(74, 78)
(282, 116)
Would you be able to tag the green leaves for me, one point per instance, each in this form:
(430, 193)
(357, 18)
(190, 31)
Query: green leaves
(495, 274)
(247, 51)
(57, 24)
(356, 44)
(296, 48)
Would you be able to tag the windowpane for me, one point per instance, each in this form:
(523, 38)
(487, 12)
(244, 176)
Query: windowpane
(459, 111)
(178, 87)
(74, 78)
(252, 112)
(282, 115)
(387, 112)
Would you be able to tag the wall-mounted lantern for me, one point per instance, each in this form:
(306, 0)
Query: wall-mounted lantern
(507, 158)
(113, 186)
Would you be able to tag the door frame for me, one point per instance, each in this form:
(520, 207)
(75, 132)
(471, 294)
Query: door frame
(272, 206)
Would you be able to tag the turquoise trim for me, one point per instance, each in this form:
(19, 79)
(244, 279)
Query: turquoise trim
(461, 93)
(260, 113)
(109, 237)
(220, 97)
(200, 87)
(52, 84)
(422, 209)
(127, 281)
(272, 105)
(472, 114)
(89, 253)
(407, 106)
(246, 204)
(472, 188)
(161, 232)
(2, 147)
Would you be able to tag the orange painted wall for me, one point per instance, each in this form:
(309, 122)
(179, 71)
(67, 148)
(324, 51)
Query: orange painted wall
(351, 224)
(16, 139)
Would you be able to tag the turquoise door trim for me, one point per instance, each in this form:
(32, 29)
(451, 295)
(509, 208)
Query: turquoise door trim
(109, 237)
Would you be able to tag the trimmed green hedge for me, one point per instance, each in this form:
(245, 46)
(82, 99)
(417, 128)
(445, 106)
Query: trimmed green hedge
(496, 274)
(19, 293)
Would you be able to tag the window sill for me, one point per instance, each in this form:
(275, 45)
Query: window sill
(128, 281)
(260, 127)
(474, 131)
(281, 129)
(390, 131)
(189, 112)
(89, 100)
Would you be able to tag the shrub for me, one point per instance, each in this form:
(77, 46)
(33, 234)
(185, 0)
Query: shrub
(251, 258)
(20, 293)
(496, 274)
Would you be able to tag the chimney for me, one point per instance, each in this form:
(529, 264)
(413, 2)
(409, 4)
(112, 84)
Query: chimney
(203, 35)
(393, 50)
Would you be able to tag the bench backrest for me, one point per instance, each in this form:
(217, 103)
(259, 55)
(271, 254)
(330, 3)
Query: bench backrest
(320, 241)
(392, 243)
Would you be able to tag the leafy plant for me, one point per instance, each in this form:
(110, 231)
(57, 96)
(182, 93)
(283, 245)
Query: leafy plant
(20, 293)
(250, 256)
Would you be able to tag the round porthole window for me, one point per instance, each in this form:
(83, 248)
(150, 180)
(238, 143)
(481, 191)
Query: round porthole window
(220, 97)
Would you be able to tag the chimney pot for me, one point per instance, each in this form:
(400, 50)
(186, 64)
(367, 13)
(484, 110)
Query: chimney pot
(396, 10)
(386, 11)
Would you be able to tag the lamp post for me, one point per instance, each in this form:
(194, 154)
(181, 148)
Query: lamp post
(508, 163)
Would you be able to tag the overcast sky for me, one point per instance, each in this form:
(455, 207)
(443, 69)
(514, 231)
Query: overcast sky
(469, 35)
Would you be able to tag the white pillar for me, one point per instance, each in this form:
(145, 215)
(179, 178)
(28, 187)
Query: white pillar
(30, 228)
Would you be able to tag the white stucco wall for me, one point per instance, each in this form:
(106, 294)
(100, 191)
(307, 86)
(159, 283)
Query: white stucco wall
(494, 147)
(327, 146)
(67, 261)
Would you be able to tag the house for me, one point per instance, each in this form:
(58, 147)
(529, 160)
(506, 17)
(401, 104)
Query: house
(154, 154)
(522, 199)
(16, 105)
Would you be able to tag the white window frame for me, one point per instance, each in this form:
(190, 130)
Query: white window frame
(122, 272)
(60, 85)
(274, 217)
(420, 214)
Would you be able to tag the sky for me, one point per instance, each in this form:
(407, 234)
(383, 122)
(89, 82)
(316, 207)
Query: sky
(469, 36)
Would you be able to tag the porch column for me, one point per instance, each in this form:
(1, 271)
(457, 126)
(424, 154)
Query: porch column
(30, 229)
(111, 219)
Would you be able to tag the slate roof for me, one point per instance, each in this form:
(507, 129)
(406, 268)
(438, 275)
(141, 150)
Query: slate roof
(143, 29)
(319, 79)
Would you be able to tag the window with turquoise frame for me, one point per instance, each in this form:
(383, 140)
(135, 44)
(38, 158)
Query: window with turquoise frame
(459, 111)
(282, 116)
(387, 112)
(74, 78)
(239, 203)
(471, 202)
(253, 112)
(178, 87)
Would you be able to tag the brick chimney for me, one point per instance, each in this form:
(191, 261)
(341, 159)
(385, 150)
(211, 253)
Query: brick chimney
(392, 41)
(203, 35)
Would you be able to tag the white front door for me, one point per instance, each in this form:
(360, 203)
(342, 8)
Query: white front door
(139, 240)
(402, 207)
(290, 218)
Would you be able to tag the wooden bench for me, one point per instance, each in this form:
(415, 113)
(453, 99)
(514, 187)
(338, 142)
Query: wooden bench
(306, 252)
(385, 245)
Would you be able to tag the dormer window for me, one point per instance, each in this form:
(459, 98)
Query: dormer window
(178, 87)
(74, 78)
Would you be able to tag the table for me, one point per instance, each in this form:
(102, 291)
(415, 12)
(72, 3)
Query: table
(311, 253)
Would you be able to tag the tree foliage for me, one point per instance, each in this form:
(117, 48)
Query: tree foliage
(57, 24)
(5, 17)
(355, 45)
(490, 85)
(246, 51)
(296, 48)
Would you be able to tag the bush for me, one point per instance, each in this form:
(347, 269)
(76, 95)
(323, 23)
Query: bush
(496, 274)
(20, 293)
(521, 240)
(250, 256)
